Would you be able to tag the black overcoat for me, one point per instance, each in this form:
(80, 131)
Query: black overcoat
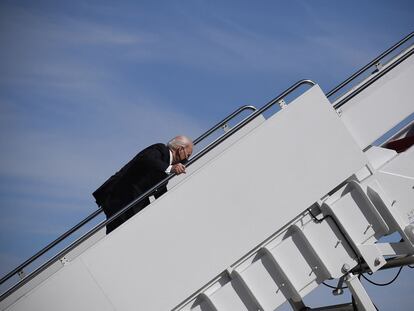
(140, 174)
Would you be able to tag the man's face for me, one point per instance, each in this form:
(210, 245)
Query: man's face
(183, 153)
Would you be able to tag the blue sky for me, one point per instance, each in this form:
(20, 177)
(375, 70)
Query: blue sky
(87, 84)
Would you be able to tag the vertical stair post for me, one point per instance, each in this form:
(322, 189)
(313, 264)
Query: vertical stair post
(359, 293)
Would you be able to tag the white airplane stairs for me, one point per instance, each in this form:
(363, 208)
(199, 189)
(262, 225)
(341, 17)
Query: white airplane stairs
(268, 211)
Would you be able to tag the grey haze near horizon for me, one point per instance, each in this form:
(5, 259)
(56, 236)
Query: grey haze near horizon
(87, 84)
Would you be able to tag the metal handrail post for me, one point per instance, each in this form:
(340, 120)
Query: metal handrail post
(373, 62)
(222, 122)
(50, 246)
(371, 81)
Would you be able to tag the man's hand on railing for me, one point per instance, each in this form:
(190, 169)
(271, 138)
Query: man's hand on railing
(178, 169)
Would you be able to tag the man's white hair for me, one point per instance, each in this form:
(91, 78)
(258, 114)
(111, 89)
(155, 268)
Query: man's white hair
(179, 141)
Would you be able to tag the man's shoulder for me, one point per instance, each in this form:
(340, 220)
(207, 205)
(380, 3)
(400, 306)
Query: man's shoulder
(159, 146)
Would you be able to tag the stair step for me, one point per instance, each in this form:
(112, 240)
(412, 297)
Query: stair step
(357, 214)
(298, 274)
(261, 279)
(398, 216)
(231, 296)
(328, 247)
(360, 220)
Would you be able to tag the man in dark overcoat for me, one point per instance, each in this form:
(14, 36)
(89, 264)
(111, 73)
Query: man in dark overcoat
(144, 171)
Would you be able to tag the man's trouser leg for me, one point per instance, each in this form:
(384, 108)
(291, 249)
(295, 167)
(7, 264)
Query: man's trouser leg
(113, 205)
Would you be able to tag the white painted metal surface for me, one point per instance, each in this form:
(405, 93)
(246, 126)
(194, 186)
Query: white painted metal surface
(382, 105)
(306, 252)
(72, 288)
(397, 179)
(216, 151)
(378, 156)
(100, 234)
(222, 211)
(362, 300)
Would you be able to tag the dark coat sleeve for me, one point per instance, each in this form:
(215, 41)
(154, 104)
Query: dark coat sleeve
(145, 170)
(152, 160)
(149, 168)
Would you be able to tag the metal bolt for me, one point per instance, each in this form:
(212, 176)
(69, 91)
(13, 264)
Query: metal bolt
(21, 274)
(337, 291)
(225, 127)
(282, 103)
(345, 268)
(377, 261)
(378, 67)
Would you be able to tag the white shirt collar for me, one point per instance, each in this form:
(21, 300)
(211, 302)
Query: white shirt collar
(171, 156)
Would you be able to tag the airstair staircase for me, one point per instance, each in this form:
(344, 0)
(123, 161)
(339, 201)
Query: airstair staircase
(268, 211)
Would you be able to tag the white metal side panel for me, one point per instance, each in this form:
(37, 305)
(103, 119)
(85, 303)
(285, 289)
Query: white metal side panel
(216, 151)
(92, 240)
(223, 210)
(397, 178)
(382, 105)
(216, 215)
(71, 288)
(403, 166)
